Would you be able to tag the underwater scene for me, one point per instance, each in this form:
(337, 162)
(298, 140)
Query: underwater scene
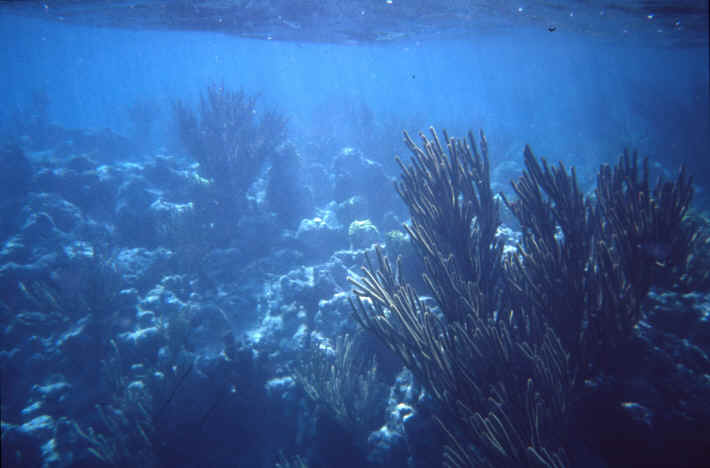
(355, 233)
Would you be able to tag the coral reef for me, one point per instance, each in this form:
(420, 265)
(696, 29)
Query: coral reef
(131, 337)
(512, 339)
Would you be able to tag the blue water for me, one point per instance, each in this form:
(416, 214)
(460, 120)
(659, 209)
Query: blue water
(561, 90)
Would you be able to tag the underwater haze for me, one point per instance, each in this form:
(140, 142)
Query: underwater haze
(355, 233)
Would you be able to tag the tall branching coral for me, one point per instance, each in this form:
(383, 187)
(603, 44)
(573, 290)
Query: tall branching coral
(228, 139)
(649, 228)
(504, 390)
(501, 377)
(454, 219)
(511, 339)
(586, 264)
(553, 274)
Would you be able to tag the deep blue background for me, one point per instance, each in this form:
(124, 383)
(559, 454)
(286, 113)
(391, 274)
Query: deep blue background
(579, 99)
